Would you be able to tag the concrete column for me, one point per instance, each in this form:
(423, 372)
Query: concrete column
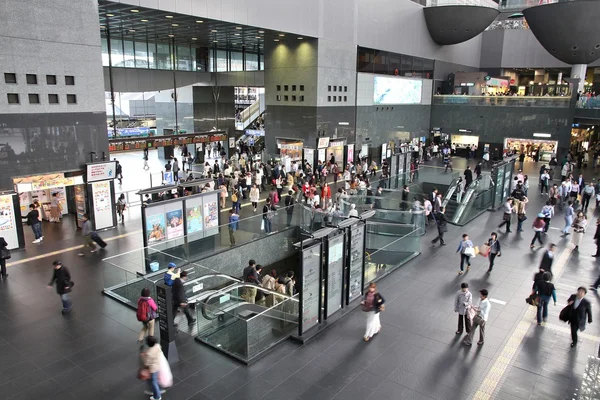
(559, 80)
(579, 71)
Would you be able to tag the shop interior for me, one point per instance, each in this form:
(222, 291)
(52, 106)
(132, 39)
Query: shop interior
(534, 149)
(290, 150)
(462, 141)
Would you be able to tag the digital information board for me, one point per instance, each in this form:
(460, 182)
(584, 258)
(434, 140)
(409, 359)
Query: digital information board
(357, 261)
(311, 277)
(335, 273)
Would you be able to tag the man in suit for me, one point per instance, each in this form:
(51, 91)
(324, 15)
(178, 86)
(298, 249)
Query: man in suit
(581, 309)
(433, 196)
(548, 258)
(468, 177)
(581, 183)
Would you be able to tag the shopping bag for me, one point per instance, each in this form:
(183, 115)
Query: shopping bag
(484, 250)
(262, 225)
(469, 251)
(471, 312)
(476, 250)
(165, 376)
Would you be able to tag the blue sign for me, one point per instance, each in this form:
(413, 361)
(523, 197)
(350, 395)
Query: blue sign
(168, 177)
(255, 132)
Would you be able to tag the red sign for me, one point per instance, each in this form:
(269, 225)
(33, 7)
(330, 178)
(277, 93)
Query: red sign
(512, 81)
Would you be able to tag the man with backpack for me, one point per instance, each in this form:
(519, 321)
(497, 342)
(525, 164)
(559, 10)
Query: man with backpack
(289, 206)
(146, 314)
(268, 215)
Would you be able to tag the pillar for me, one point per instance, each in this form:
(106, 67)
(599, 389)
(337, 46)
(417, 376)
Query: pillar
(579, 71)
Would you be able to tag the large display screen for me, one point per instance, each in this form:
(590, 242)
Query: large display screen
(397, 90)
(335, 273)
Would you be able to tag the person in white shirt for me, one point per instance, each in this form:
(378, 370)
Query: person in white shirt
(481, 316)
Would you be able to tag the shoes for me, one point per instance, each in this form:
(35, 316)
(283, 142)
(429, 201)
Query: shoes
(509, 231)
(593, 288)
(93, 251)
(468, 267)
(191, 322)
(576, 248)
(573, 344)
(595, 255)
(366, 338)
(480, 343)
(80, 254)
(36, 241)
(458, 332)
(467, 344)
(460, 272)
(4, 276)
(545, 319)
(41, 238)
(442, 243)
(531, 246)
(489, 270)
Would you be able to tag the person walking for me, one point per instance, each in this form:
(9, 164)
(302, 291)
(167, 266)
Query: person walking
(462, 302)
(481, 317)
(548, 212)
(145, 156)
(597, 238)
(545, 290)
(250, 275)
(579, 225)
(373, 304)
(254, 196)
(442, 227)
(151, 359)
(119, 172)
(62, 279)
(121, 205)
(554, 194)
(569, 212)
(495, 249)
(521, 207)
(55, 208)
(233, 226)
(580, 308)
(4, 255)
(468, 177)
(466, 250)
(508, 211)
(180, 298)
(548, 258)
(289, 207)
(538, 228)
(587, 193)
(146, 314)
(268, 215)
(35, 221)
(544, 179)
(86, 234)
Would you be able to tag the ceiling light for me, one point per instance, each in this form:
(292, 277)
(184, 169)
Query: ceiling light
(171, 35)
(281, 34)
(233, 44)
(135, 10)
(213, 30)
(110, 15)
(144, 20)
(300, 38)
(102, 27)
(236, 34)
(168, 16)
(276, 40)
(199, 22)
(174, 24)
(261, 31)
(194, 38)
(215, 41)
(258, 37)
(546, 135)
(132, 30)
(239, 28)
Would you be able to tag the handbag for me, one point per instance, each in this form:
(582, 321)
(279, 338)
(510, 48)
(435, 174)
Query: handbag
(469, 251)
(522, 217)
(506, 217)
(533, 300)
(565, 313)
(143, 374)
(5, 253)
(471, 312)
(165, 376)
(484, 250)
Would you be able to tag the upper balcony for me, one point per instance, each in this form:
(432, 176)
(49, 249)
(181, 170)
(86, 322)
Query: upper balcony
(504, 101)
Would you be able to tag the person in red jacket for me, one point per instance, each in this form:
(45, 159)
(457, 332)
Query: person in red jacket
(538, 227)
(325, 193)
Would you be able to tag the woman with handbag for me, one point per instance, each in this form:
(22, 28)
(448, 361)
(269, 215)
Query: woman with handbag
(579, 225)
(151, 359)
(466, 250)
(521, 213)
(545, 290)
(372, 304)
(494, 245)
(4, 255)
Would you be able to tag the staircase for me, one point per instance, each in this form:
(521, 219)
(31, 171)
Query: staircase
(250, 114)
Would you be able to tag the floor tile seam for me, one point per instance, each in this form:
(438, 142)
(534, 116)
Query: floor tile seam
(523, 326)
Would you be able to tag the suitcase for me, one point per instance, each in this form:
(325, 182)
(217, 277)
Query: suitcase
(96, 238)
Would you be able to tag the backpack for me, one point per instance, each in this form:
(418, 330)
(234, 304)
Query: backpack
(143, 310)
(168, 278)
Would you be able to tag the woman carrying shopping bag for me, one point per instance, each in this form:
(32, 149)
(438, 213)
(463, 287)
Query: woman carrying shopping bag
(466, 250)
(156, 368)
(579, 225)
(372, 305)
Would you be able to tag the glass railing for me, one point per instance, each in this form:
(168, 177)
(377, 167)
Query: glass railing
(504, 101)
(476, 200)
(508, 24)
(480, 3)
(589, 102)
(518, 5)
(227, 321)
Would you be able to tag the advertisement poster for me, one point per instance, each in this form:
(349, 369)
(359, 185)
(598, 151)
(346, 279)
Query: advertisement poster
(174, 224)
(155, 228)
(357, 253)
(101, 171)
(168, 177)
(311, 263)
(7, 221)
(211, 215)
(194, 219)
(80, 204)
(335, 268)
(101, 196)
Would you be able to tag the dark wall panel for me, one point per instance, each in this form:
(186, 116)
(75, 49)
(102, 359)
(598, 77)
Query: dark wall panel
(214, 109)
(329, 119)
(380, 124)
(41, 143)
(290, 122)
(491, 48)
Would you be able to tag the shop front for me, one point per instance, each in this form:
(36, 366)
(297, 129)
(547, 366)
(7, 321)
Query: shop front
(534, 149)
(290, 150)
(464, 140)
(11, 227)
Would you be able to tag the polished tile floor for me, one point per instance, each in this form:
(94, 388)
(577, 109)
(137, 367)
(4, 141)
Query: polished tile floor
(92, 353)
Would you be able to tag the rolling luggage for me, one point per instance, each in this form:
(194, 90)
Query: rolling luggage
(96, 238)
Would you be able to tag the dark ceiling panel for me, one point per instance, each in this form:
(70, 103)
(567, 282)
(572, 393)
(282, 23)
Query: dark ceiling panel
(138, 23)
(569, 31)
(456, 24)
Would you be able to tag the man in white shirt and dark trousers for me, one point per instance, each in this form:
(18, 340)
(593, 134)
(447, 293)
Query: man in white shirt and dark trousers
(483, 312)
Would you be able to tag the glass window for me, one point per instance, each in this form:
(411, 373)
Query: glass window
(163, 57)
(394, 64)
(237, 61)
(116, 52)
(365, 59)
(221, 61)
(184, 58)
(406, 63)
(141, 55)
(152, 55)
(251, 62)
(105, 52)
(129, 54)
(427, 69)
(261, 67)
(417, 66)
(380, 62)
(31, 79)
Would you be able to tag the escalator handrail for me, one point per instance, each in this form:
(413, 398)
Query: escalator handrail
(449, 193)
(238, 286)
(203, 277)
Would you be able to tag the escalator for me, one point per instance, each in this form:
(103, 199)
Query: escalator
(250, 114)
(476, 200)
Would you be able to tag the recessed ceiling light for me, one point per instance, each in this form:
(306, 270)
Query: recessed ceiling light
(236, 34)
(171, 35)
(135, 10)
(174, 24)
(168, 16)
(199, 22)
(281, 34)
(213, 30)
(261, 31)
(239, 28)
(276, 40)
(144, 20)
(233, 44)
(215, 41)
(300, 38)
(194, 38)
(258, 37)
(110, 15)
(102, 27)
(132, 30)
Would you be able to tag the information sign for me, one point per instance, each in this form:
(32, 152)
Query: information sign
(311, 276)
(357, 261)
(335, 273)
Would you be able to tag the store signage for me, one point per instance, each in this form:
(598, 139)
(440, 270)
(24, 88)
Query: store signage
(323, 142)
(198, 287)
(339, 143)
(101, 171)
(546, 135)
(311, 288)
(357, 261)
(255, 132)
(55, 183)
